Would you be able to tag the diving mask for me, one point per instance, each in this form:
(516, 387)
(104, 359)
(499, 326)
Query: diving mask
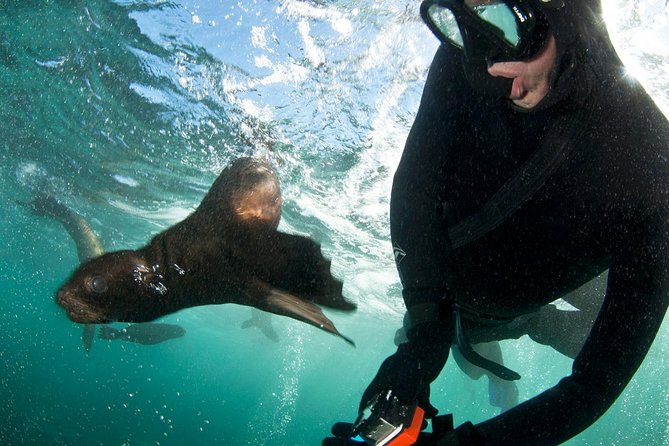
(488, 30)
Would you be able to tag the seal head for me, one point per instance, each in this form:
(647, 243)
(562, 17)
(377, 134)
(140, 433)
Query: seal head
(116, 286)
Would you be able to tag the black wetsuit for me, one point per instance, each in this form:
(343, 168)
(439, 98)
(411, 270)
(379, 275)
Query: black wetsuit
(605, 207)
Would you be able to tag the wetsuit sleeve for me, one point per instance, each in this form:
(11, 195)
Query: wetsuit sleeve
(632, 313)
(417, 222)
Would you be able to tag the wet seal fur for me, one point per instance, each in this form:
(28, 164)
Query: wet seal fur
(227, 251)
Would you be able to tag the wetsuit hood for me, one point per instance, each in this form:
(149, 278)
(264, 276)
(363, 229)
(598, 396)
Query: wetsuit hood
(583, 48)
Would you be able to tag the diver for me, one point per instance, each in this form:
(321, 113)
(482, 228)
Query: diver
(534, 166)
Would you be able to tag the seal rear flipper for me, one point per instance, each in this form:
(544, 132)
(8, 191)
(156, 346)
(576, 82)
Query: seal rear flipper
(87, 336)
(108, 333)
(285, 304)
(270, 333)
(45, 205)
(88, 243)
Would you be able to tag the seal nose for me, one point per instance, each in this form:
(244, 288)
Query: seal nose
(65, 301)
(60, 297)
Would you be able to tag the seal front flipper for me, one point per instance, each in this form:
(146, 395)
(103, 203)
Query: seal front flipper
(87, 336)
(292, 263)
(285, 304)
(279, 302)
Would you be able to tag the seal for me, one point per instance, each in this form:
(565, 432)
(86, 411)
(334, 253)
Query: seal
(227, 251)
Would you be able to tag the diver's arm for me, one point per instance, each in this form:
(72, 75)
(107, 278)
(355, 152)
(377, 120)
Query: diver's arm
(418, 225)
(417, 229)
(635, 305)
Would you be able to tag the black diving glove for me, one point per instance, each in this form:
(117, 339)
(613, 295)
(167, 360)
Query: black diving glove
(407, 374)
(416, 363)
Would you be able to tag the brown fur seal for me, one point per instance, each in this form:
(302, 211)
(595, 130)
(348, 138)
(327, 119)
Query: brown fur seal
(88, 244)
(227, 251)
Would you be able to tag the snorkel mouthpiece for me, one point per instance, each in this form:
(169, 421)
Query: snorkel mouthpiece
(476, 72)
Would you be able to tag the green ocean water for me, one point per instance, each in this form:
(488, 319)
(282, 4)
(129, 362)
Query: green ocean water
(127, 110)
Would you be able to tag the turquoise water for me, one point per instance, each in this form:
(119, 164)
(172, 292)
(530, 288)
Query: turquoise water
(127, 110)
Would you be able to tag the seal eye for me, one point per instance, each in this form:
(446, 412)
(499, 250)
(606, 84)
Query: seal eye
(97, 284)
